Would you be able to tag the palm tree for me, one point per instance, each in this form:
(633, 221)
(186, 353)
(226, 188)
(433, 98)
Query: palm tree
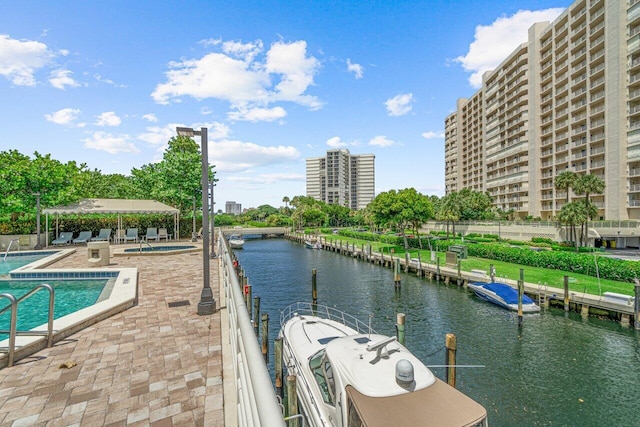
(572, 214)
(565, 181)
(588, 184)
(286, 201)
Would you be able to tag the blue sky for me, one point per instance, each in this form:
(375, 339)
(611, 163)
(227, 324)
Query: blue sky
(275, 82)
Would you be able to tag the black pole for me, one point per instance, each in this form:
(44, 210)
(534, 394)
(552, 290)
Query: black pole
(38, 245)
(213, 223)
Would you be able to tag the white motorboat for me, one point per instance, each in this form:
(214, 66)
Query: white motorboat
(349, 376)
(310, 244)
(503, 295)
(236, 241)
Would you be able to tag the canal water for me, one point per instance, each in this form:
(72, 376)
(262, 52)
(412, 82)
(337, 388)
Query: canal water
(557, 370)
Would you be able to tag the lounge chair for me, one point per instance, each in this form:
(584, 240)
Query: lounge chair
(162, 234)
(104, 235)
(199, 234)
(132, 234)
(64, 238)
(119, 237)
(152, 234)
(83, 237)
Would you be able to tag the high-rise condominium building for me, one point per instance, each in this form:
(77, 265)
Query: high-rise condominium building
(342, 178)
(566, 100)
(234, 208)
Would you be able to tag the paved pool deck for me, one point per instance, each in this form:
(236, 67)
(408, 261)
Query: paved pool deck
(149, 365)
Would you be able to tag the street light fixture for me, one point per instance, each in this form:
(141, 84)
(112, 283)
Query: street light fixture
(38, 245)
(207, 304)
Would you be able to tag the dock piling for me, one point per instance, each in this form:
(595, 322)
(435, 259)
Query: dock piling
(396, 272)
(314, 286)
(278, 365)
(636, 311)
(400, 319)
(292, 401)
(256, 310)
(520, 292)
(265, 337)
(450, 369)
(566, 294)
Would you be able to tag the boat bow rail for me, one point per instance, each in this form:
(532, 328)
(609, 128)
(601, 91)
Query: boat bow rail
(325, 312)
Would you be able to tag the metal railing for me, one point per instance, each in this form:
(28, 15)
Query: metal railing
(13, 331)
(9, 247)
(257, 402)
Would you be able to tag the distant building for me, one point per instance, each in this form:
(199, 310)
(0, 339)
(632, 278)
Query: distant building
(341, 178)
(233, 208)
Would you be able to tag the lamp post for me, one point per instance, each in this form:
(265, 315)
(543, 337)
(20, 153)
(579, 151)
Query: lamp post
(194, 236)
(213, 223)
(38, 245)
(207, 304)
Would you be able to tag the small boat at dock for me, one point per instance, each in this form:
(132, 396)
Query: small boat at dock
(236, 241)
(348, 375)
(310, 244)
(503, 295)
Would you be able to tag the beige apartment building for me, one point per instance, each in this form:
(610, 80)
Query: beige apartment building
(342, 178)
(566, 100)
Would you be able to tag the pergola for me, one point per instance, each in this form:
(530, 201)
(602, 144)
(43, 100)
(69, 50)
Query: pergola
(112, 206)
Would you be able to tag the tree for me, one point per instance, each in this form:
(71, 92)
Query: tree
(565, 181)
(571, 214)
(21, 177)
(176, 180)
(449, 211)
(588, 184)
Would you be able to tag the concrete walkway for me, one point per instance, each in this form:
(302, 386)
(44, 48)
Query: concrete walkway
(150, 365)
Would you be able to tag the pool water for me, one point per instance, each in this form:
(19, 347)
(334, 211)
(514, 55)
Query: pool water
(16, 261)
(159, 248)
(70, 296)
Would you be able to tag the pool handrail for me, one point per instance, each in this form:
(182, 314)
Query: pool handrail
(13, 332)
(9, 247)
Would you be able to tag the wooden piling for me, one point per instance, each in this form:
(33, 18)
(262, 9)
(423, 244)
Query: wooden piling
(265, 337)
(249, 301)
(566, 293)
(419, 269)
(256, 311)
(492, 273)
(292, 401)
(459, 277)
(437, 269)
(450, 362)
(314, 286)
(278, 365)
(406, 262)
(400, 319)
(396, 273)
(520, 292)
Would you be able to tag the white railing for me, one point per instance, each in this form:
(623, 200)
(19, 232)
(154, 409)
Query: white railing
(257, 402)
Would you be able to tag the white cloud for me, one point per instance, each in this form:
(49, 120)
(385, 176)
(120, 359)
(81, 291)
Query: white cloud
(108, 118)
(267, 178)
(356, 69)
(399, 105)
(494, 42)
(245, 76)
(381, 141)
(336, 142)
(234, 156)
(433, 135)
(150, 117)
(66, 116)
(60, 79)
(112, 144)
(20, 59)
(257, 114)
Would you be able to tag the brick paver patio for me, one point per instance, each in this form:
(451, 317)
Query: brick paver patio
(149, 365)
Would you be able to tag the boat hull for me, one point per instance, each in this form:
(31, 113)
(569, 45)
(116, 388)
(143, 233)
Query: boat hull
(504, 296)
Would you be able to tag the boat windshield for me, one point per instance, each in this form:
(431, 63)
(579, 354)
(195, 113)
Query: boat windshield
(323, 374)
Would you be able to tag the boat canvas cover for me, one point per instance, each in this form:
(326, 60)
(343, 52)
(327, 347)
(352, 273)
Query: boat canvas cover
(437, 405)
(507, 293)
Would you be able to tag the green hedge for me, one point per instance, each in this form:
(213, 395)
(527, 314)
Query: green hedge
(608, 268)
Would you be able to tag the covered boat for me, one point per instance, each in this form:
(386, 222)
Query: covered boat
(503, 295)
(349, 376)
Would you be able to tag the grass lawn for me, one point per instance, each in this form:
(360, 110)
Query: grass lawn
(578, 283)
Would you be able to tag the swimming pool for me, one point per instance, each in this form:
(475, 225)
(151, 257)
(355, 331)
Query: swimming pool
(17, 260)
(70, 296)
(157, 250)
